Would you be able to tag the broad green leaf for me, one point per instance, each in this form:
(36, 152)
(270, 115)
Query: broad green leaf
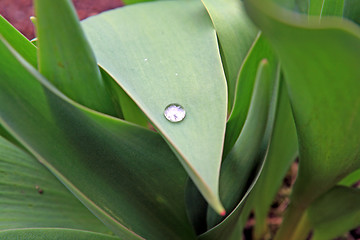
(236, 33)
(244, 89)
(65, 57)
(241, 169)
(324, 97)
(32, 197)
(326, 7)
(335, 213)
(52, 234)
(18, 41)
(167, 52)
(351, 179)
(282, 152)
(108, 164)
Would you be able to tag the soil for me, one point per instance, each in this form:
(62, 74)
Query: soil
(18, 13)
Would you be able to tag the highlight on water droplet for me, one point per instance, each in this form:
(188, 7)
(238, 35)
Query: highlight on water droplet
(174, 112)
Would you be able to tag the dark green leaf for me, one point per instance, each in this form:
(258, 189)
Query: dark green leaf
(52, 234)
(65, 57)
(32, 197)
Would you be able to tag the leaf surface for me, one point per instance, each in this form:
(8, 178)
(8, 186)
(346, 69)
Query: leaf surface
(162, 53)
(236, 34)
(108, 164)
(32, 197)
(65, 57)
(323, 94)
(335, 213)
(52, 234)
(242, 167)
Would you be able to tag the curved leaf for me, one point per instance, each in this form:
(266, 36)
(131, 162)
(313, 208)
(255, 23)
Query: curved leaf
(242, 167)
(323, 94)
(261, 49)
(65, 57)
(52, 234)
(108, 164)
(236, 34)
(335, 213)
(32, 197)
(282, 151)
(162, 53)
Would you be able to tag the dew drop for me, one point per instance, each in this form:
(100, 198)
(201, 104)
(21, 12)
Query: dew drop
(174, 112)
(145, 59)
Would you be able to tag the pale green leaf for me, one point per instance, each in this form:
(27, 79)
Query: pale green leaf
(162, 53)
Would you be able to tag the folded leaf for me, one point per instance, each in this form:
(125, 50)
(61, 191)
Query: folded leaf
(162, 53)
(241, 169)
(260, 49)
(103, 161)
(236, 33)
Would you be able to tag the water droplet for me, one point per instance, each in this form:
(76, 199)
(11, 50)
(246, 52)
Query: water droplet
(145, 59)
(176, 74)
(174, 112)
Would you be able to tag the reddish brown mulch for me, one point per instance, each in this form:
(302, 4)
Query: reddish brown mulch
(18, 12)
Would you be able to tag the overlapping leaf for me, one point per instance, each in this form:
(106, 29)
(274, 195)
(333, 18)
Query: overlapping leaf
(108, 164)
(236, 33)
(243, 165)
(65, 57)
(320, 89)
(162, 53)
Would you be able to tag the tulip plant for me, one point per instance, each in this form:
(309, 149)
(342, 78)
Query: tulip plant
(176, 119)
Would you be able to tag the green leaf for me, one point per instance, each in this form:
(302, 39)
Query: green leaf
(106, 163)
(32, 197)
(65, 57)
(282, 152)
(236, 33)
(352, 10)
(323, 94)
(241, 169)
(52, 234)
(128, 2)
(162, 53)
(18, 41)
(335, 213)
(126, 108)
(326, 7)
(244, 89)
(351, 179)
